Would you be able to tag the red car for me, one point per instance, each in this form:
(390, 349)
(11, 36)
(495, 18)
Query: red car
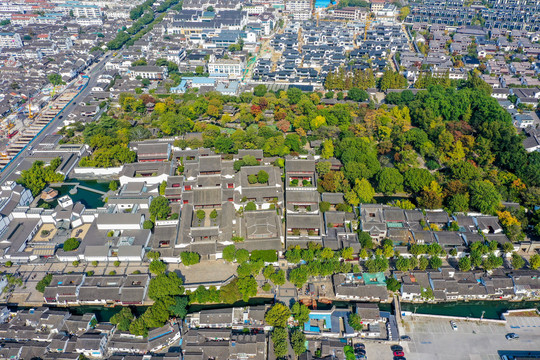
(399, 353)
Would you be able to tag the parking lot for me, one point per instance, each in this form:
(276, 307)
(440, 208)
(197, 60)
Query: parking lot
(434, 339)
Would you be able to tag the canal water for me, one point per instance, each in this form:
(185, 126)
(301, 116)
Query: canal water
(474, 309)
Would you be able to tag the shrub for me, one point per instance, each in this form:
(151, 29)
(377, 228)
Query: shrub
(117, 263)
(95, 263)
(148, 225)
(43, 283)
(264, 255)
(250, 206)
(71, 244)
(75, 263)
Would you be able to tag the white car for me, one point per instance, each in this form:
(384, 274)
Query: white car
(454, 325)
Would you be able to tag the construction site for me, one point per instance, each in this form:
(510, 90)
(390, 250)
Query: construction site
(18, 129)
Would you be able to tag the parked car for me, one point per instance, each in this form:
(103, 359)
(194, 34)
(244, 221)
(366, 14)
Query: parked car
(399, 353)
(359, 346)
(512, 336)
(454, 325)
(406, 338)
(399, 358)
(396, 348)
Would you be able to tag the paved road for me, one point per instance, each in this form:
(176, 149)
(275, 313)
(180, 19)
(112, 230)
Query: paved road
(434, 339)
(58, 120)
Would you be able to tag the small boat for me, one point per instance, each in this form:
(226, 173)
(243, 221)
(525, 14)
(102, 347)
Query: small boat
(49, 194)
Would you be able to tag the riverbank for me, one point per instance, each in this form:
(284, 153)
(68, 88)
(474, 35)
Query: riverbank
(488, 309)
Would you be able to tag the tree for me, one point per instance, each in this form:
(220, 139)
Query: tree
(250, 206)
(113, 185)
(159, 208)
(278, 278)
(492, 262)
(423, 263)
(260, 90)
(356, 94)
(122, 319)
(71, 244)
(148, 225)
(294, 95)
(327, 149)
(241, 255)
(485, 197)
(365, 240)
(165, 285)
(327, 253)
(298, 341)
(534, 261)
(464, 264)
(262, 177)
(324, 206)
(247, 286)
(323, 168)
(43, 283)
(278, 315)
(280, 340)
(364, 191)
(404, 12)
(355, 321)
(402, 264)
(38, 176)
(179, 309)
(517, 261)
(300, 313)
(157, 267)
(416, 179)
(189, 258)
(393, 284)
(298, 276)
(55, 79)
(389, 181)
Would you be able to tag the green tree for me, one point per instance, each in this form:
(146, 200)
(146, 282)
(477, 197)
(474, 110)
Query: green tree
(157, 267)
(485, 197)
(534, 261)
(55, 79)
(260, 90)
(280, 340)
(241, 255)
(393, 284)
(162, 188)
(165, 285)
(356, 94)
(464, 264)
(247, 286)
(300, 313)
(43, 283)
(298, 341)
(179, 308)
(355, 321)
(250, 206)
(71, 244)
(364, 191)
(159, 208)
(262, 177)
(417, 179)
(148, 225)
(294, 95)
(278, 315)
(517, 261)
(423, 263)
(229, 253)
(113, 185)
(122, 319)
(365, 240)
(389, 181)
(189, 258)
